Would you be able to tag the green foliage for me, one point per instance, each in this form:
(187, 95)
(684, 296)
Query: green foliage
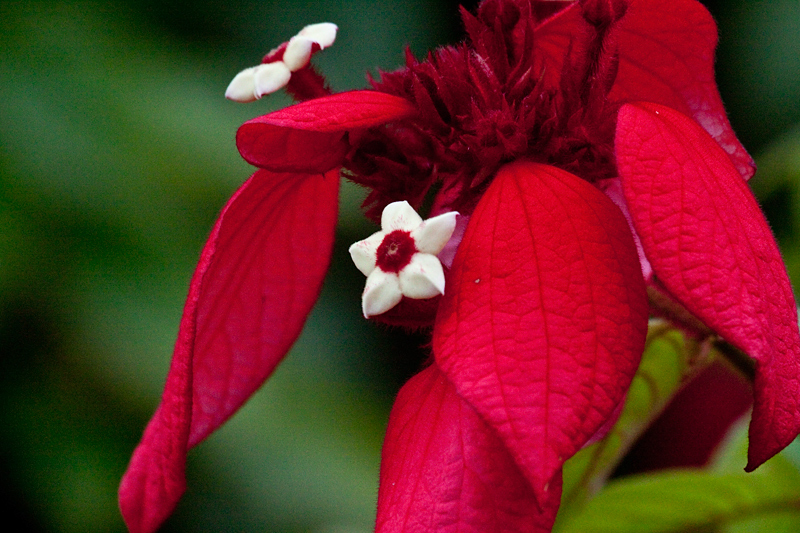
(668, 361)
(722, 498)
(673, 501)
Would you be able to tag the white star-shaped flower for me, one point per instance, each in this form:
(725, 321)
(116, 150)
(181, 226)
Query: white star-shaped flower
(254, 82)
(400, 260)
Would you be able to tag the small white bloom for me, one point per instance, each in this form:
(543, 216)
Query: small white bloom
(400, 260)
(254, 82)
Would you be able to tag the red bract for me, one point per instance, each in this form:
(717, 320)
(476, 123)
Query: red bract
(715, 255)
(546, 316)
(444, 469)
(224, 349)
(312, 136)
(584, 144)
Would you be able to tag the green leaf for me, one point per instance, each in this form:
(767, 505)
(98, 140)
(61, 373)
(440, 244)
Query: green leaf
(669, 360)
(729, 459)
(722, 498)
(689, 500)
(779, 522)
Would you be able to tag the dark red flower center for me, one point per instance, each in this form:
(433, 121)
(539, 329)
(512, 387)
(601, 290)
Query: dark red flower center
(396, 251)
(493, 100)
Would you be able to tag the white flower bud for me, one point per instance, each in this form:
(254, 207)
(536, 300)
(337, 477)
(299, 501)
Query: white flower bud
(270, 77)
(297, 53)
(243, 87)
(253, 83)
(324, 33)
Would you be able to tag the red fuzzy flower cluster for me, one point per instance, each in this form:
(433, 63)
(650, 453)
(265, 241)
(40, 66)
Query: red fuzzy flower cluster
(597, 181)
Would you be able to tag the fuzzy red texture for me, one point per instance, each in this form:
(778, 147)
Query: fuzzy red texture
(543, 320)
(712, 249)
(541, 89)
(395, 251)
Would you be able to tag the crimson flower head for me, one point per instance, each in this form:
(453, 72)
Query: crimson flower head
(581, 175)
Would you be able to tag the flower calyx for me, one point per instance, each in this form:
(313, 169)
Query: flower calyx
(400, 260)
(278, 66)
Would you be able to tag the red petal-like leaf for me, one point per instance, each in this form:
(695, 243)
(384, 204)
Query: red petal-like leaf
(666, 55)
(445, 470)
(311, 136)
(258, 277)
(712, 249)
(545, 313)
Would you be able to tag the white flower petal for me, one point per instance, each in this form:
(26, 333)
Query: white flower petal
(297, 53)
(399, 215)
(270, 77)
(364, 253)
(381, 293)
(422, 278)
(324, 33)
(431, 236)
(242, 87)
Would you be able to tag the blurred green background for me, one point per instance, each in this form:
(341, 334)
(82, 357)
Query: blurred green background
(116, 154)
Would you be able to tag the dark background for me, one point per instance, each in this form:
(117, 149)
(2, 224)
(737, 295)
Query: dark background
(116, 154)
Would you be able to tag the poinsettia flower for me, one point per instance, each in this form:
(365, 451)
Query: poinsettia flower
(586, 147)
